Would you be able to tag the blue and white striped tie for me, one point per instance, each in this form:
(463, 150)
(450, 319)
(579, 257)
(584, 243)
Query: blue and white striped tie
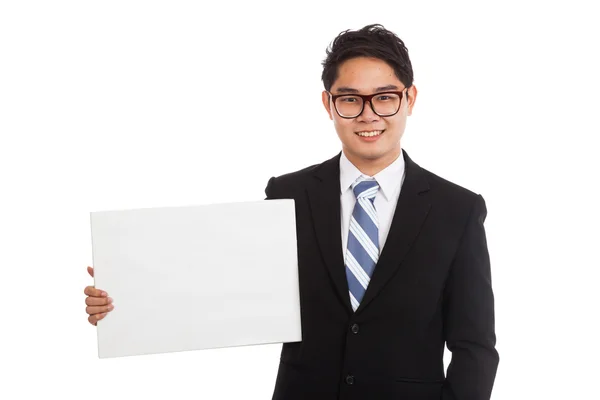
(363, 240)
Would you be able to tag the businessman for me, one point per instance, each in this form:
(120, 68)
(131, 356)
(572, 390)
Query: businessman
(393, 260)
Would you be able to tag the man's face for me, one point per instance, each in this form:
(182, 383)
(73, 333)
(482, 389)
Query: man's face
(368, 76)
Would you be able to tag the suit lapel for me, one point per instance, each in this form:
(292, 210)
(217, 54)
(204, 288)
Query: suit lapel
(324, 198)
(411, 211)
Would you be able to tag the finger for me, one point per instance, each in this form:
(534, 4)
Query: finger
(98, 301)
(90, 271)
(93, 319)
(99, 309)
(92, 291)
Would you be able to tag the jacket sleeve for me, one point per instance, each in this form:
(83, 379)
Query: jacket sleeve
(469, 315)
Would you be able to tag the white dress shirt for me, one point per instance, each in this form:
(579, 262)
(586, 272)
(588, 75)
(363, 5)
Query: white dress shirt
(390, 182)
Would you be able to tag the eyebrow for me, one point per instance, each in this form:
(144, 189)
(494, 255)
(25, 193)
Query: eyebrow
(346, 89)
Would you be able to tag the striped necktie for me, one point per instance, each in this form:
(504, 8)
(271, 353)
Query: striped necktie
(363, 240)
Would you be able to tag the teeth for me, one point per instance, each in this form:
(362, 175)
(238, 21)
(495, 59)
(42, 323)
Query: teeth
(369, 133)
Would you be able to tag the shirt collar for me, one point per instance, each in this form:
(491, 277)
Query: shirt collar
(389, 179)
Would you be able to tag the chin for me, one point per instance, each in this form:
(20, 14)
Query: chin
(369, 155)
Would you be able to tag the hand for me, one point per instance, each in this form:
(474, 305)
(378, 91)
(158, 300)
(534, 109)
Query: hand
(98, 303)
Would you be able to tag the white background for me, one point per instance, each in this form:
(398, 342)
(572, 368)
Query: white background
(130, 104)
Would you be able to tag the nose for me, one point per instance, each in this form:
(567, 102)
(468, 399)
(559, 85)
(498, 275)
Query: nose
(367, 113)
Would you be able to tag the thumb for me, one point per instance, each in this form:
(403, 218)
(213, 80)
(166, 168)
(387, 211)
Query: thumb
(91, 271)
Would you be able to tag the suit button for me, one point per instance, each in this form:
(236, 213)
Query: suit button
(355, 328)
(350, 380)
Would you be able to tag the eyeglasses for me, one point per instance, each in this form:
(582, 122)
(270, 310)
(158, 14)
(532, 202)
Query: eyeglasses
(384, 104)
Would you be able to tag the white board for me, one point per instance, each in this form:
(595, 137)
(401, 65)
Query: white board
(197, 277)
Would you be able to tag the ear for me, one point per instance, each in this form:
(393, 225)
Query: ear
(411, 95)
(326, 103)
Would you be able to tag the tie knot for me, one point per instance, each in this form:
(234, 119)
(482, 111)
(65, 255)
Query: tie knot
(366, 189)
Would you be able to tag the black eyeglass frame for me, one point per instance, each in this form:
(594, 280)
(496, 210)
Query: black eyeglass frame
(365, 98)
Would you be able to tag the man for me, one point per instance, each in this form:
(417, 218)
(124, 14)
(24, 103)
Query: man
(393, 260)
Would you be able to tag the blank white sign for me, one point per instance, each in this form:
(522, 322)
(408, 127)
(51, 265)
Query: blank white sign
(197, 277)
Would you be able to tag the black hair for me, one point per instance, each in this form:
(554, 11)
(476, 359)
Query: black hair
(371, 41)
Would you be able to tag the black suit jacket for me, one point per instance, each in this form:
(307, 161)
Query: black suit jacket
(431, 286)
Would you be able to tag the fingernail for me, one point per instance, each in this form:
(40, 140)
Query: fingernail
(110, 307)
(104, 294)
(110, 300)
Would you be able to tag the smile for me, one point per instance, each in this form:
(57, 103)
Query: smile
(369, 133)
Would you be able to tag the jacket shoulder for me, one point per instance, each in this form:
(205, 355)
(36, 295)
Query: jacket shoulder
(448, 187)
(455, 199)
(288, 184)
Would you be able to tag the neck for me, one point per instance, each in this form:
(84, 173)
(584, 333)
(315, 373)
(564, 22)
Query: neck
(371, 167)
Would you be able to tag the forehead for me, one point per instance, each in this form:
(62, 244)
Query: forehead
(365, 74)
